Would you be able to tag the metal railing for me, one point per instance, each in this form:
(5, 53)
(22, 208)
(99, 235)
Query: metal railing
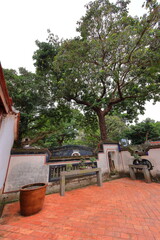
(55, 170)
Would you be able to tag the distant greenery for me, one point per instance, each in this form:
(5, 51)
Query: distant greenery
(146, 130)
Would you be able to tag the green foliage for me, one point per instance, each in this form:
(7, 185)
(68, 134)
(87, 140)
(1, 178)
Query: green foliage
(69, 167)
(45, 54)
(116, 128)
(90, 133)
(112, 68)
(143, 131)
(45, 122)
(22, 86)
(82, 163)
(93, 160)
(25, 91)
(63, 124)
(113, 65)
(157, 126)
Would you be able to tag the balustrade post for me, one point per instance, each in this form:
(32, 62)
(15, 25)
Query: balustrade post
(62, 185)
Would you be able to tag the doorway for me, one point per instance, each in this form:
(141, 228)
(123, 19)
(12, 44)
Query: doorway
(111, 158)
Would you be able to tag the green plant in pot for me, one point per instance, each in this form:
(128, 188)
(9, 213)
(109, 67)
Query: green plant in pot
(82, 164)
(93, 160)
(69, 167)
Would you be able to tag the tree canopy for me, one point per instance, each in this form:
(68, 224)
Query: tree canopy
(24, 89)
(42, 120)
(113, 67)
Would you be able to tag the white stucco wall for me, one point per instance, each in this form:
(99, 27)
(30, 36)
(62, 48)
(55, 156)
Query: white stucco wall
(103, 161)
(153, 156)
(123, 159)
(6, 142)
(127, 159)
(26, 169)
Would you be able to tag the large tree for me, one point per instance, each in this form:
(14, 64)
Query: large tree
(113, 65)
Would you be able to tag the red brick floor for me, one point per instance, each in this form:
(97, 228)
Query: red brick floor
(120, 209)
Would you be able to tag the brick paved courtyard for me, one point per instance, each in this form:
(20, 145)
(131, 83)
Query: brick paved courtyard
(120, 209)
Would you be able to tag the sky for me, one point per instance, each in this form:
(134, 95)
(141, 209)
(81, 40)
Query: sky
(25, 21)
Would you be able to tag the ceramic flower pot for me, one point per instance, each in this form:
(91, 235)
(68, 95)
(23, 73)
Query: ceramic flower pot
(32, 198)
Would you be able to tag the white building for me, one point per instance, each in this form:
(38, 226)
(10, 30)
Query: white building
(9, 119)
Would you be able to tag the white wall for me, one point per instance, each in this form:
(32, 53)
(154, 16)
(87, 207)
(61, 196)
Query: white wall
(26, 169)
(127, 159)
(123, 159)
(153, 156)
(103, 161)
(6, 142)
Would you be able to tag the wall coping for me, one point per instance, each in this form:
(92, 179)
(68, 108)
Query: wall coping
(149, 147)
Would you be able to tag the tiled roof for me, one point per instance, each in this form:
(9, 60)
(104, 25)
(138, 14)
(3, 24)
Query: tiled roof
(155, 142)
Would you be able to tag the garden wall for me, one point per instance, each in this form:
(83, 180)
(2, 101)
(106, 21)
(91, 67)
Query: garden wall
(153, 156)
(114, 159)
(25, 169)
(110, 150)
(32, 168)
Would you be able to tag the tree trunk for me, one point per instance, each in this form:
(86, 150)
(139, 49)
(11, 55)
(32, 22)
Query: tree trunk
(60, 141)
(102, 125)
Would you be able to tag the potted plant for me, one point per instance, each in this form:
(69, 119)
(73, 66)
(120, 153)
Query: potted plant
(82, 164)
(93, 160)
(69, 167)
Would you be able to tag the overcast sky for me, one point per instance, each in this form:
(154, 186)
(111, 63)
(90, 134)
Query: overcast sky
(25, 21)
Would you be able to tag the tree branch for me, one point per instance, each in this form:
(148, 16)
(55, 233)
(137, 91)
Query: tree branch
(118, 100)
(36, 139)
(149, 21)
(78, 101)
(103, 92)
(119, 90)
